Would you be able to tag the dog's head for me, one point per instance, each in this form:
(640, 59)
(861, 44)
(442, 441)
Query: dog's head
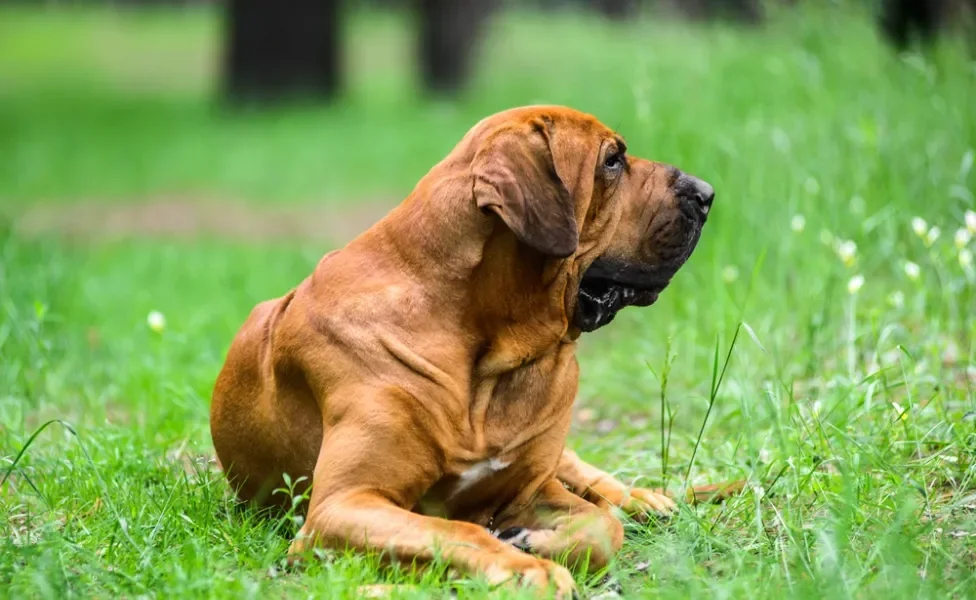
(566, 186)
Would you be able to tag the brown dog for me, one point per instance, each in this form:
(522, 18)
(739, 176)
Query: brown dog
(424, 375)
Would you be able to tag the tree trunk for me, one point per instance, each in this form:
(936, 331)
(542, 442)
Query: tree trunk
(449, 33)
(903, 21)
(280, 51)
(617, 10)
(743, 11)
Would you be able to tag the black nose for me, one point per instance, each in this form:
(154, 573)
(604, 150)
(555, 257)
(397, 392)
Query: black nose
(696, 195)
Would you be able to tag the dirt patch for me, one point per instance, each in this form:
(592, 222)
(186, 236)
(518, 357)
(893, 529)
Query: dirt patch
(189, 217)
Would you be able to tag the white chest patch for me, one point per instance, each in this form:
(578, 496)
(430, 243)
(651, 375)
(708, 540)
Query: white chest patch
(477, 472)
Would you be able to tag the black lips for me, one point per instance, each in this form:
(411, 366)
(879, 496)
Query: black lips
(610, 285)
(606, 288)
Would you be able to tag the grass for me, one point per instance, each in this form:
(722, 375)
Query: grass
(852, 413)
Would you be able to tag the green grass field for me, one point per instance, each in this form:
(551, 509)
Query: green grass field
(849, 397)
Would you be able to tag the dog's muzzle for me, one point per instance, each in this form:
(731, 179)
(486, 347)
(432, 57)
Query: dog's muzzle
(610, 285)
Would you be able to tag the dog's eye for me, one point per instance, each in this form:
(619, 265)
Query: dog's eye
(614, 161)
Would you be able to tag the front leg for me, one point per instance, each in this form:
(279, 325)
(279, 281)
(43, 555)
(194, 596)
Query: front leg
(557, 524)
(367, 521)
(370, 468)
(604, 490)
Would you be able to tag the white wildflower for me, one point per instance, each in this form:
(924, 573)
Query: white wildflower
(966, 258)
(962, 238)
(971, 221)
(759, 490)
(912, 270)
(730, 273)
(156, 321)
(847, 251)
(897, 299)
(932, 235)
(855, 283)
(798, 223)
(919, 226)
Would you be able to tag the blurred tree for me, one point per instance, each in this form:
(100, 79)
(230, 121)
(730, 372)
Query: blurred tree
(904, 22)
(745, 11)
(278, 51)
(275, 51)
(449, 32)
(616, 9)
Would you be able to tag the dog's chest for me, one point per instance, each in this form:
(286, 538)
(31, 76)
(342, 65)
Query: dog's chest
(479, 472)
(477, 488)
(518, 421)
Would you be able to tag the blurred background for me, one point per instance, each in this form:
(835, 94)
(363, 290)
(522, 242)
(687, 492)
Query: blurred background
(260, 102)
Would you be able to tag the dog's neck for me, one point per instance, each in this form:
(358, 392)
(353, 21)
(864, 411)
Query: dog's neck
(517, 300)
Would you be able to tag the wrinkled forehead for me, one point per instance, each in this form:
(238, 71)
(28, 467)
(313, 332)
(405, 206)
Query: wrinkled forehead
(560, 120)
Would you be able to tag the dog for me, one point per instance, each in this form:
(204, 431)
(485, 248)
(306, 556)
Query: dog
(423, 376)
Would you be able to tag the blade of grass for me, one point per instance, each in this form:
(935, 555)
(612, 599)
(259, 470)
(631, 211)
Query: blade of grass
(717, 377)
(108, 501)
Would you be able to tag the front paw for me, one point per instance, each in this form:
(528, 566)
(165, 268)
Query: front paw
(518, 537)
(537, 573)
(640, 503)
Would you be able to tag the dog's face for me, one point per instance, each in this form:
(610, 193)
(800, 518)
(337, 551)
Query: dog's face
(566, 186)
(662, 212)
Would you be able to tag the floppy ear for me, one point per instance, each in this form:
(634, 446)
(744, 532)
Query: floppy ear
(515, 178)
